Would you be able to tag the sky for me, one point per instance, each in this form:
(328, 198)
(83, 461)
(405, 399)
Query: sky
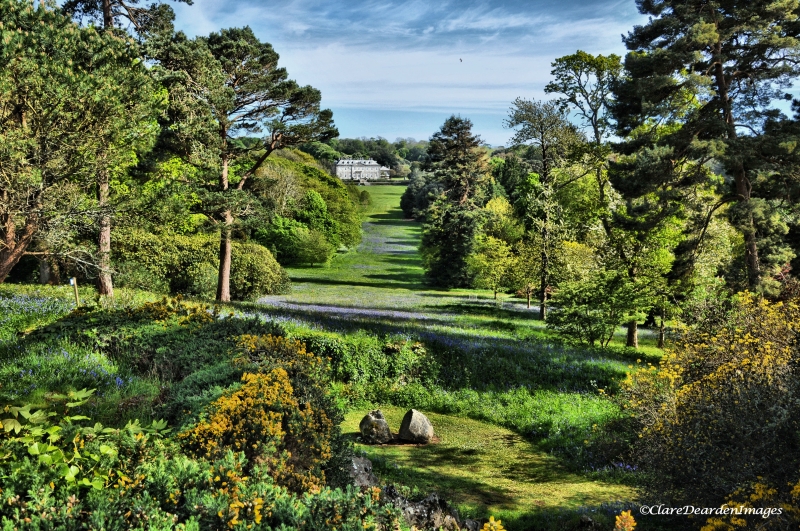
(398, 69)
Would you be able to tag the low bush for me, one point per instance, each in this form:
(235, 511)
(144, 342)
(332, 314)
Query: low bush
(363, 357)
(254, 273)
(63, 471)
(264, 419)
(590, 310)
(168, 339)
(179, 263)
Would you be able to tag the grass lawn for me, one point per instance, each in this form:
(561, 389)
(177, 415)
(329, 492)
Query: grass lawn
(383, 281)
(484, 469)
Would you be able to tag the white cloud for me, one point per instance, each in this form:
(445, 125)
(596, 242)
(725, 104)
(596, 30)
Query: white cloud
(415, 55)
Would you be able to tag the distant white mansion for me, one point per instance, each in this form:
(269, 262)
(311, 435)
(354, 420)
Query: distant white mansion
(360, 170)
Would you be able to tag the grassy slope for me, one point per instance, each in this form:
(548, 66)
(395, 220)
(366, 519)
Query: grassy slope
(486, 469)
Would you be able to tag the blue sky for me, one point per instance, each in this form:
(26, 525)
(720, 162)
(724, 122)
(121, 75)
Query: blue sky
(399, 68)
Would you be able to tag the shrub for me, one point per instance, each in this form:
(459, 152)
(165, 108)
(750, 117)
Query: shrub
(722, 412)
(264, 420)
(188, 264)
(64, 471)
(313, 248)
(282, 416)
(254, 272)
(137, 276)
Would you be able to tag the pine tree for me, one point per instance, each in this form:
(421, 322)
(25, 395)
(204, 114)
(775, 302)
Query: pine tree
(709, 72)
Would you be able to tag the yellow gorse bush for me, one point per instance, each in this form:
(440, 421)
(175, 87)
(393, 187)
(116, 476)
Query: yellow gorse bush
(267, 420)
(723, 409)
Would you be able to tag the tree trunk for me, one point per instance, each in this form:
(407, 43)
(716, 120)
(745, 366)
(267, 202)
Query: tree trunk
(14, 245)
(529, 300)
(545, 275)
(225, 246)
(739, 175)
(495, 294)
(44, 271)
(633, 335)
(750, 243)
(225, 253)
(105, 285)
(108, 19)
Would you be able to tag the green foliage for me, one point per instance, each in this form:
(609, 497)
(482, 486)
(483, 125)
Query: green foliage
(489, 264)
(304, 196)
(61, 471)
(60, 448)
(187, 264)
(419, 195)
(448, 239)
(315, 249)
(87, 96)
(321, 152)
(255, 273)
(684, 101)
(720, 413)
(589, 310)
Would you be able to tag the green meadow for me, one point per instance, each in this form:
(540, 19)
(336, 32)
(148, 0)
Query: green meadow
(518, 414)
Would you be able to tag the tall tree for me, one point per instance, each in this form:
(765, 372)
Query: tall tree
(225, 87)
(730, 59)
(112, 14)
(71, 100)
(545, 126)
(585, 84)
(459, 166)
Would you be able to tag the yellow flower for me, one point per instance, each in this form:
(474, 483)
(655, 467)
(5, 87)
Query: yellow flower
(493, 525)
(625, 522)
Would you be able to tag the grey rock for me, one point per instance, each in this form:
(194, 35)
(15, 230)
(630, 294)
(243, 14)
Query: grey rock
(471, 525)
(374, 428)
(416, 427)
(361, 472)
(431, 513)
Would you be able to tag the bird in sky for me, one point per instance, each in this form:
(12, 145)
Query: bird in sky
(460, 59)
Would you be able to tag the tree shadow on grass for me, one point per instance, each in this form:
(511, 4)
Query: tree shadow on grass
(395, 214)
(390, 221)
(486, 309)
(408, 281)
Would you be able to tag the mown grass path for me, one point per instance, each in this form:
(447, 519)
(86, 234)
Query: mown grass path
(384, 272)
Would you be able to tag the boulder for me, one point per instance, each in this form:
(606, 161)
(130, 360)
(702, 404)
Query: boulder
(374, 428)
(471, 525)
(416, 427)
(431, 513)
(361, 472)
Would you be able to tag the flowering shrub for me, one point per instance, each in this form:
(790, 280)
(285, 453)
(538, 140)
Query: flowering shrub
(264, 420)
(493, 525)
(723, 411)
(624, 522)
(61, 471)
(282, 416)
(782, 507)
